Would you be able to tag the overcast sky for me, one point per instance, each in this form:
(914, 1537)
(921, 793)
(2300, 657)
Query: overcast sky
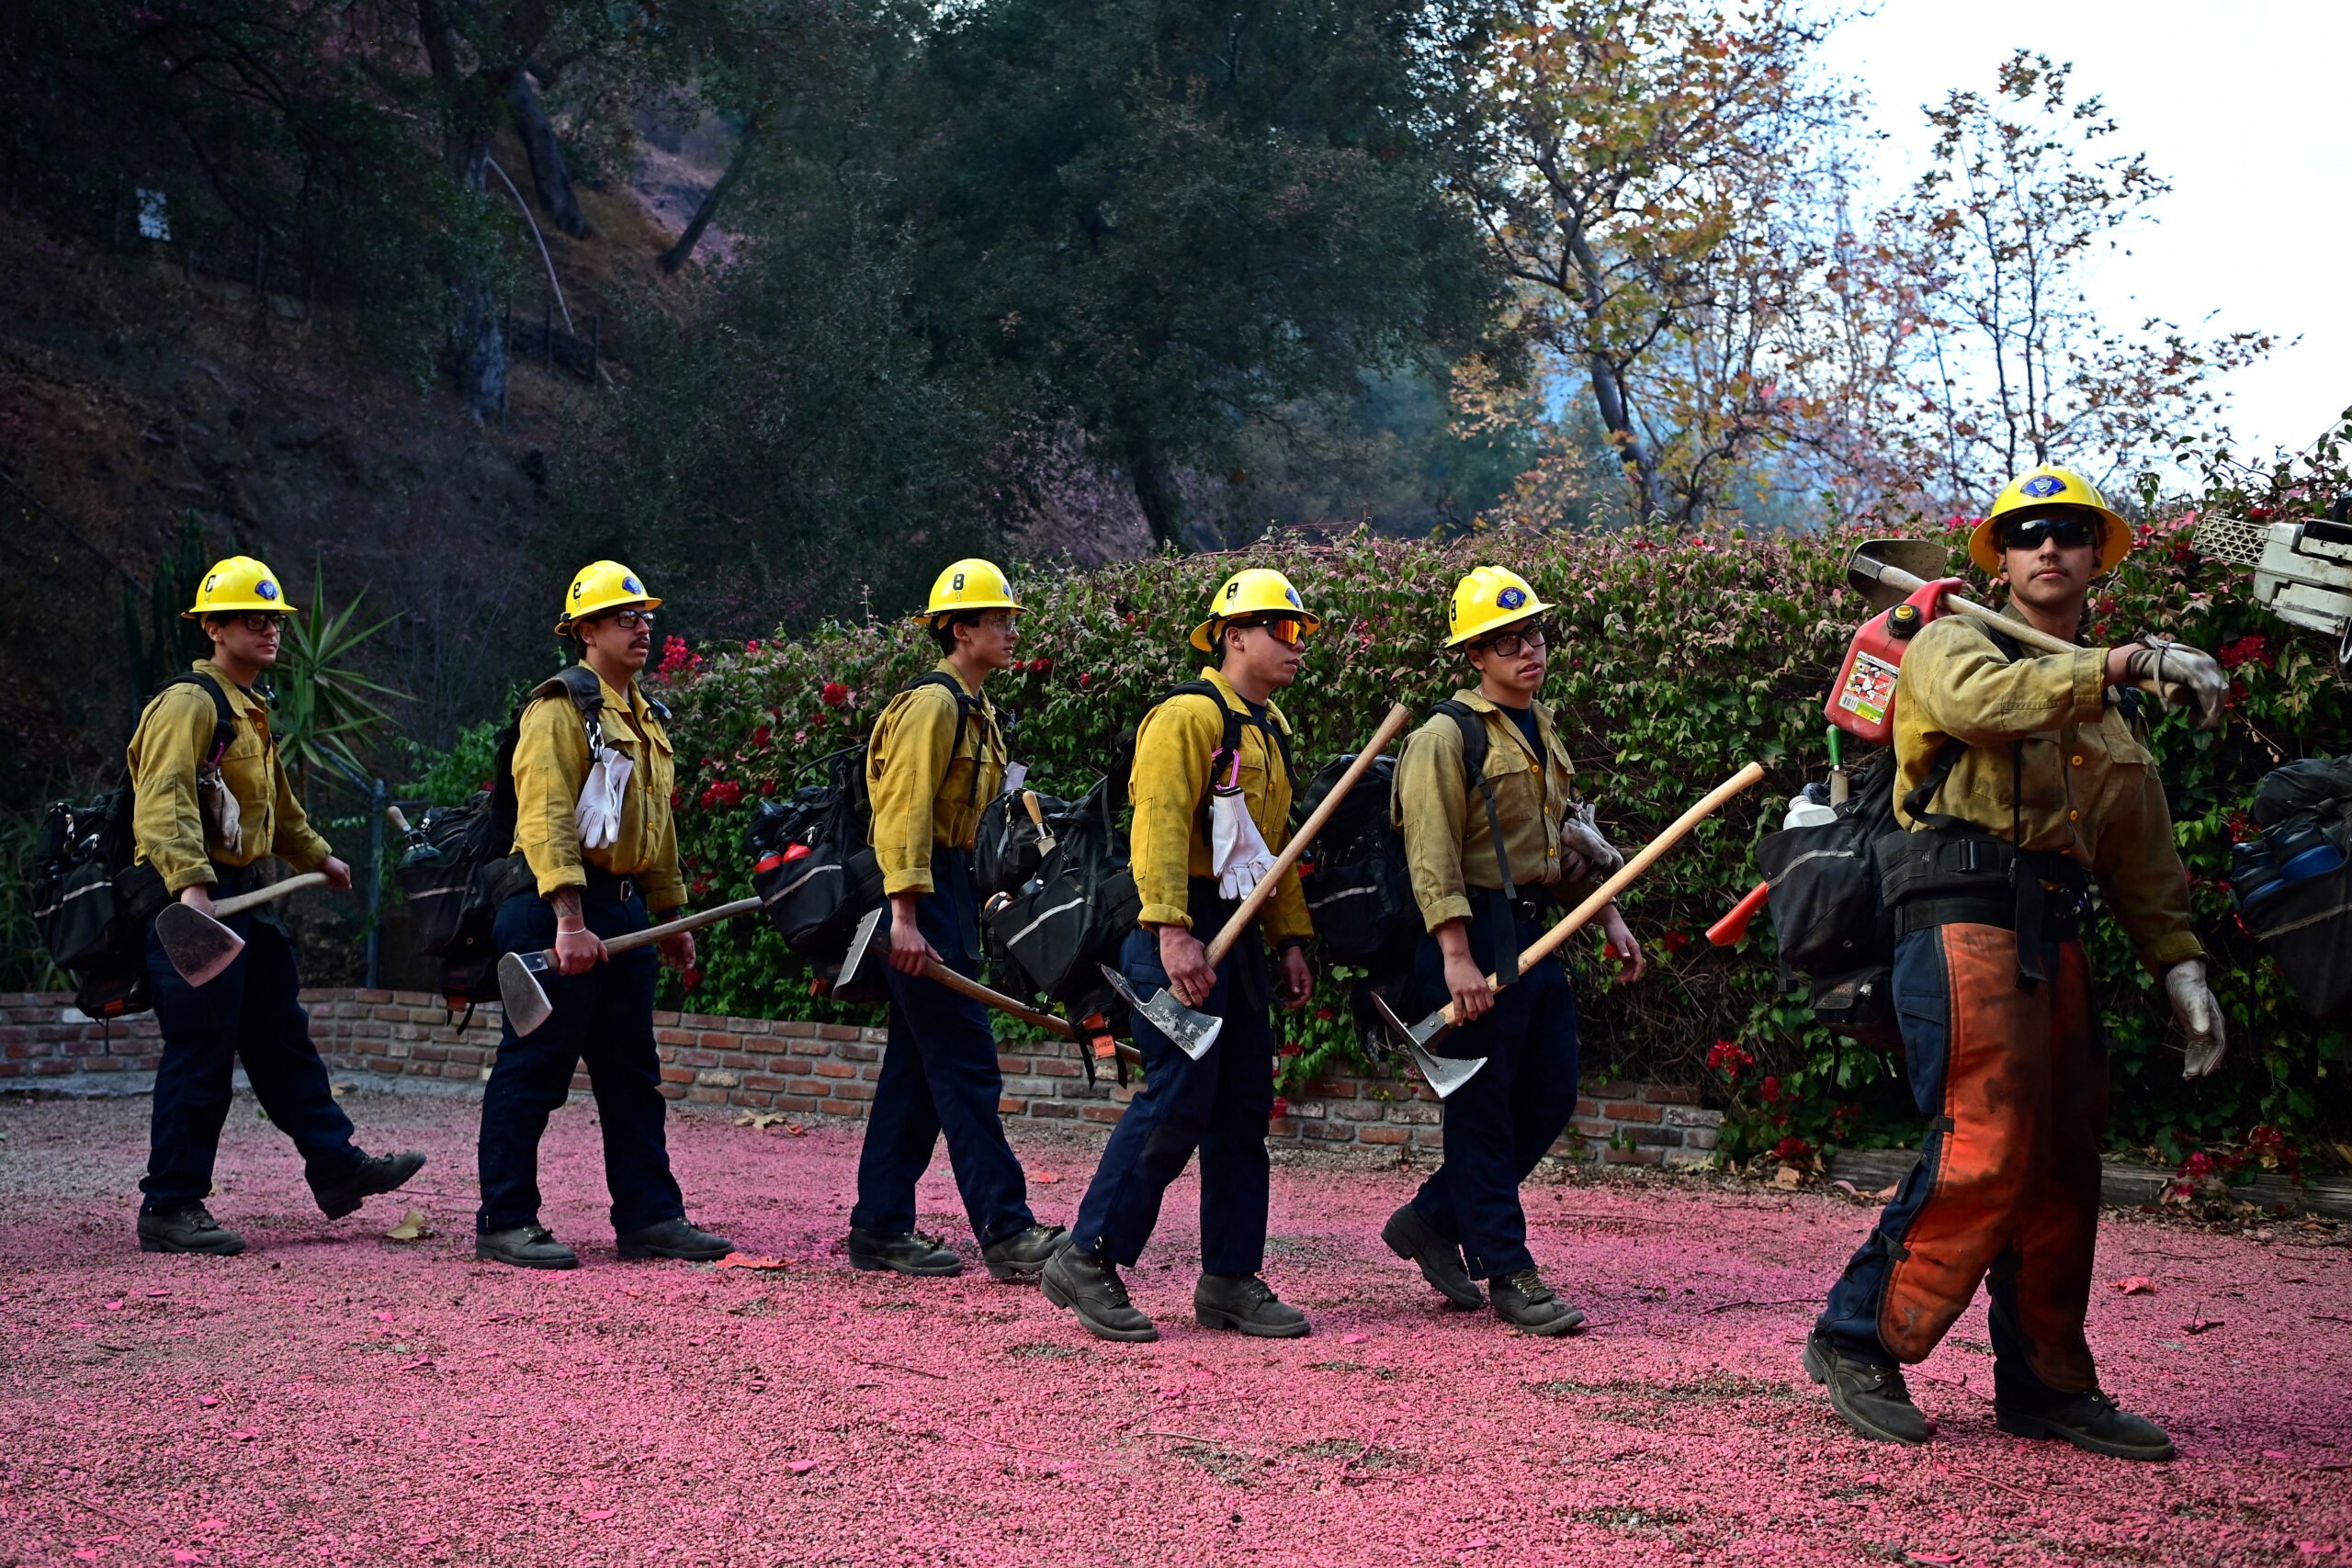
(2247, 107)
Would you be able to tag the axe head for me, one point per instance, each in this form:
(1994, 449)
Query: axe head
(859, 979)
(521, 994)
(1194, 1032)
(1442, 1074)
(1887, 572)
(199, 946)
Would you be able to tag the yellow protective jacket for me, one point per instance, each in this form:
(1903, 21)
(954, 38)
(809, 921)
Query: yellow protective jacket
(550, 766)
(926, 787)
(2089, 783)
(1169, 786)
(1449, 844)
(174, 736)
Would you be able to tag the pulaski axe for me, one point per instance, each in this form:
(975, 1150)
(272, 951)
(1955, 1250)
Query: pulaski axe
(1416, 1038)
(199, 946)
(525, 999)
(1194, 1033)
(1887, 572)
(862, 942)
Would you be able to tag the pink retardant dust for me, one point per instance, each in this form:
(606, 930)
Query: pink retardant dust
(332, 1397)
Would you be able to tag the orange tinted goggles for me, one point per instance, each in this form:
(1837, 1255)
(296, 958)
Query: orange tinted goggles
(1288, 630)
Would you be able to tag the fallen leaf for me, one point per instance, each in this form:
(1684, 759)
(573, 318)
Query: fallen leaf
(1354, 1338)
(595, 1514)
(1788, 1179)
(212, 1524)
(2315, 1548)
(2274, 1453)
(801, 1466)
(411, 1228)
(1886, 1194)
(1847, 1187)
(746, 1260)
(761, 1119)
(206, 1401)
(1048, 1177)
(242, 1437)
(2135, 1285)
(420, 1364)
(2201, 1325)
(1930, 1557)
(114, 1306)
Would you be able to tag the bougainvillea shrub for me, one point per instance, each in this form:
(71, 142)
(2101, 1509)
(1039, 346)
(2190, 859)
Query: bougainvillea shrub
(1681, 657)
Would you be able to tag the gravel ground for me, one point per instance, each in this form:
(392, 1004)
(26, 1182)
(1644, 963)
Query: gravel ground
(332, 1396)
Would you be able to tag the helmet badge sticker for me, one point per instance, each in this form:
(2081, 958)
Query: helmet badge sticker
(578, 589)
(1292, 594)
(1233, 590)
(2042, 485)
(957, 586)
(265, 589)
(630, 584)
(1511, 598)
(210, 583)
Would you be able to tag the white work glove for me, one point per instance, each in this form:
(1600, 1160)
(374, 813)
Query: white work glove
(598, 814)
(2199, 1013)
(218, 807)
(1238, 852)
(1580, 831)
(2181, 675)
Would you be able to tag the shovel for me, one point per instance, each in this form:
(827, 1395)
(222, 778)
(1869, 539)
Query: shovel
(1887, 572)
(956, 981)
(199, 946)
(1417, 1038)
(525, 999)
(1194, 1033)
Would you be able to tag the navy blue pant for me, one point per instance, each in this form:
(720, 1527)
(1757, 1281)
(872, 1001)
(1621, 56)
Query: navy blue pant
(940, 1075)
(2006, 1193)
(1503, 1121)
(1218, 1105)
(247, 1012)
(604, 1016)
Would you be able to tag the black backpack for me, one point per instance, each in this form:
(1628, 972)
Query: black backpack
(2306, 926)
(460, 863)
(1050, 936)
(1359, 889)
(1007, 849)
(91, 904)
(811, 866)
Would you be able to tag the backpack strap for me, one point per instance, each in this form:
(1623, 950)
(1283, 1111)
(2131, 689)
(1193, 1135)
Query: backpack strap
(224, 718)
(966, 707)
(1473, 725)
(1274, 726)
(587, 693)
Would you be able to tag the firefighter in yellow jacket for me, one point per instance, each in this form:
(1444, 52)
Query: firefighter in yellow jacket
(935, 759)
(591, 773)
(1220, 733)
(1489, 856)
(2021, 779)
(210, 800)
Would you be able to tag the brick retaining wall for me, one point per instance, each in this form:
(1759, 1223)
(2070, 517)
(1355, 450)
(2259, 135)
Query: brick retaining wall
(799, 1068)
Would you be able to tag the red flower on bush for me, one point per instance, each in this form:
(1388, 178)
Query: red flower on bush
(762, 736)
(1040, 666)
(834, 695)
(1792, 1149)
(1768, 1090)
(2253, 648)
(1281, 1107)
(723, 793)
(1676, 939)
(678, 659)
(1726, 1057)
(1086, 680)
(691, 978)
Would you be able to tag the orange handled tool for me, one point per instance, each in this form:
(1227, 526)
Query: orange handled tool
(1729, 930)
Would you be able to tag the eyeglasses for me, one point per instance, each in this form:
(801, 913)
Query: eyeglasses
(1288, 630)
(1529, 638)
(2072, 532)
(629, 620)
(259, 622)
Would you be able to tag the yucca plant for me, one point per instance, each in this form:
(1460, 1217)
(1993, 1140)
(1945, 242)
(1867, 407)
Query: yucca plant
(324, 704)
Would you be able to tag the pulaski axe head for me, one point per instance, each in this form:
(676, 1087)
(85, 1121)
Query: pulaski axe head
(1443, 1074)
(859, 978)
(519, 990)
(1194, 1032)
(1923, 560)
(199, 946)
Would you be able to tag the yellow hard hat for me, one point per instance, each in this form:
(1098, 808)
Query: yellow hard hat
(1256, 590)
(234, 585)
(2048, 489)
(1486, 601)
(970, 584)
(601, 585)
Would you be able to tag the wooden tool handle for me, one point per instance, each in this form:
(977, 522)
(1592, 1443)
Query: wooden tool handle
(1399, 715)
(1029, 803)
(957, 982)
(652, 934)
(2033, 636)
(276, 890)
(1574, 921)
(397, 818)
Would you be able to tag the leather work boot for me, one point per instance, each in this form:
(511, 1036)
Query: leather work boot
(1872, 1399)
(1091, 1287)
(1526, 1303)
(1024, 1254)
(1412, 1238)
(525, 1247)
(192, 1229)
(1247, 1302)
(680, 1237)
(913, 1253)
(385, 1173)
(2088, 1420)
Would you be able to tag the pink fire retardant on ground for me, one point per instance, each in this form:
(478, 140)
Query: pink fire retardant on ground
(332, 1397)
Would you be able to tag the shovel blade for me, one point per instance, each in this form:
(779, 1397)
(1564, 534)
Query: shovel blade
(1442, 1074)
(1194, 1032)
(524, 998)
(1921, 558)
(199, 946)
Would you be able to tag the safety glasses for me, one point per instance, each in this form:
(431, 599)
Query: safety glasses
(629, 620)
(1531, 636)
(1288, 630)
(261, 623)
(2074, 533)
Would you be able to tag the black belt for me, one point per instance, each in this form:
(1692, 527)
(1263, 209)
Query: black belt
(604, 885)
(2061, 909)
(1253, 973)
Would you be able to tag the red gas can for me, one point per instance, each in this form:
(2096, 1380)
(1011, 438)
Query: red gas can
(1863, 702)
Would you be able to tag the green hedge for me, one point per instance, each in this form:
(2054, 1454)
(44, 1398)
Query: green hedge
(1682, 658)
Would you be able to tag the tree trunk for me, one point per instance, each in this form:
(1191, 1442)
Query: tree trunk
(550, 178)
(1607, 391)
(675, 256)
(1162, 502)
(476, 347)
